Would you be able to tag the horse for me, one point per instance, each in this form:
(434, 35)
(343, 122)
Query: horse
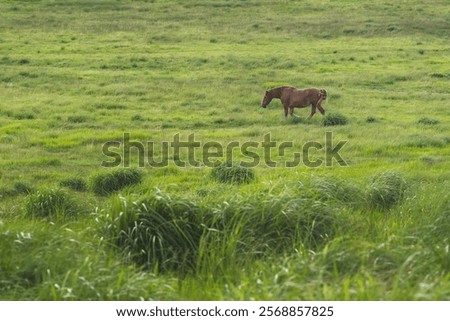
(296, 98)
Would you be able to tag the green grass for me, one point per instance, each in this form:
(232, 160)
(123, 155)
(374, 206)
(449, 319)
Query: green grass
(232, 173)
(105, 183)
(52, 203)
(77, 74)
(428, 121)
(75, 183)
(157, 232)
(386, 190)
(334, 120)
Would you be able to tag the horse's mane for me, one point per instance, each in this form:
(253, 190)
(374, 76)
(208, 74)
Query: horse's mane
(278, 90)
(279, 87)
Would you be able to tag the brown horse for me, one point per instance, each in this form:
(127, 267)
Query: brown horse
(296, 98)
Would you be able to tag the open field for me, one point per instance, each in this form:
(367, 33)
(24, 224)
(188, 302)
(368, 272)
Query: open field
(77, 74)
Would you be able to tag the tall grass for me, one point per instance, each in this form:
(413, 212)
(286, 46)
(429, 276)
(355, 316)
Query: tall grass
(353, 264)
(52, 203)
(56, 263)
(157, 231)
(334, 189)
(19, 188)
(386, 190)
(161, 232)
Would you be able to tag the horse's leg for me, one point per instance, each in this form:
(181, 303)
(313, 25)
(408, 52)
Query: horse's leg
(285, 111)
(313, 111)
(322, 111)
(291, 111)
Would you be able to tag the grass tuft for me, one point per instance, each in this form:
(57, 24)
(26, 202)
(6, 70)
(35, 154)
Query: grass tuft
(77, 119)
(158, 231)
(74, 183)
(427, 121)
(23, 188)
(335, 189)
(440, 75)
(54, 203)
(138, 118)
(385, 190)
(109, 106)
(232, 173)
(106, 183)
(334, 120)
(24, 115)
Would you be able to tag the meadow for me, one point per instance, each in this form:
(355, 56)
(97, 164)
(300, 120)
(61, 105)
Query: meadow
(75, 75)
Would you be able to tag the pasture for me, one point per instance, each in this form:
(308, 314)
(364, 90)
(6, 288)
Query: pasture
(76, 75)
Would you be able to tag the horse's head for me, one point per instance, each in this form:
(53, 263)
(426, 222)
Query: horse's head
(323, 93)
(267, 99)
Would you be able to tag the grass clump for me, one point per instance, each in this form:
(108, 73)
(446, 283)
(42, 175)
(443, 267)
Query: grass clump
(334, 120)
(109, 106)
(138, 118)
(334, 189)
(164, 233)
(427, 121)
(24, 115)
(23, 188)
(17, 189)
(74, 183)
(77, 119)
(385, 190)
(158, 231)
(232, 173)
(51, 203)
(425, 141)
(106, 183)
(440, 75)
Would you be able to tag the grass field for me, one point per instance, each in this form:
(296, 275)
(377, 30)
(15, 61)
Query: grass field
(75, 75)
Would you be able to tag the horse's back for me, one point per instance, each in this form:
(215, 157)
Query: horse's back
(304, 97)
